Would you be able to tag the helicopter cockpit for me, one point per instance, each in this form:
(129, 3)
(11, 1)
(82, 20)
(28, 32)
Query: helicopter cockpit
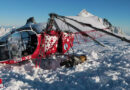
(18, 44)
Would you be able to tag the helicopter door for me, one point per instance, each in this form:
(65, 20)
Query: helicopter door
(15, 46)
(29, 42)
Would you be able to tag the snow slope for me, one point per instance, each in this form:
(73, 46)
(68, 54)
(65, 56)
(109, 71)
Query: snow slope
(106, 68)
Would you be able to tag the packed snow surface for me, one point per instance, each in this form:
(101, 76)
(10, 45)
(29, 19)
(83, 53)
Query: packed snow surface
(107, 68)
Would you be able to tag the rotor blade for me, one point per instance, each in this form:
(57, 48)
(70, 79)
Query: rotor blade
(84, 34)
(101, 30)
(75, 20)
(56, 25)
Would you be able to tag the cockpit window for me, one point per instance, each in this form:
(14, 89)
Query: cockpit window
(18, 44)
(24, 34)
(3, 39)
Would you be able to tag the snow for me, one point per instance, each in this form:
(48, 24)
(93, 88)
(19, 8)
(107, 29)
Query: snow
(106, 68)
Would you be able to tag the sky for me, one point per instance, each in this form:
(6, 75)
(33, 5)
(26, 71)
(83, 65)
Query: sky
(16, 12)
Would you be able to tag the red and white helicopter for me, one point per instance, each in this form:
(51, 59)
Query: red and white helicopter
(34, 41)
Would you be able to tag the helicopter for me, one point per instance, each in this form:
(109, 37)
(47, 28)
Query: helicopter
(40, 40)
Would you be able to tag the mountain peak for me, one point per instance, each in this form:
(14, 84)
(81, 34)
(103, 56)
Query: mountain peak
(85, 13)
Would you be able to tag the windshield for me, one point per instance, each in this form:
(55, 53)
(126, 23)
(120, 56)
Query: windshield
(17, 45)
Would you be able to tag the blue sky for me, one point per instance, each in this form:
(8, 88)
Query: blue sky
(15, 12)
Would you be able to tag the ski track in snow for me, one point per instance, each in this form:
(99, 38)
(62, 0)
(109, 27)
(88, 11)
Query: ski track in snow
(106, 68)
